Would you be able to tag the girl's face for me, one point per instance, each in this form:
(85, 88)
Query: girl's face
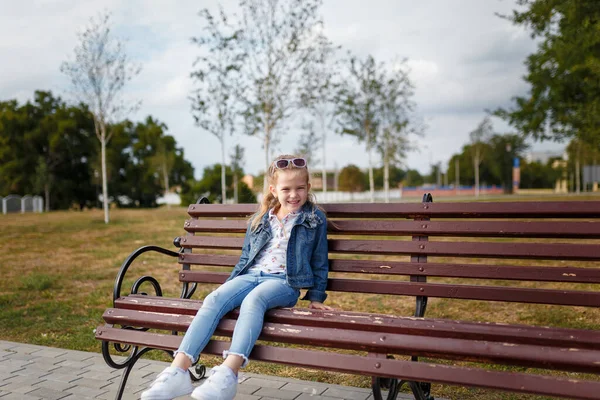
(291, 189)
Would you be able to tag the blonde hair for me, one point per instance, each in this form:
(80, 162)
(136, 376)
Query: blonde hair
(268, 200)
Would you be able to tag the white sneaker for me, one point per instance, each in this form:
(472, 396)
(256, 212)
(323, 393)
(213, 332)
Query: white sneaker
(220, 385)
(171, 383)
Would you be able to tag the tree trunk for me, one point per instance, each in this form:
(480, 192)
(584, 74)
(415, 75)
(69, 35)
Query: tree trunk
(166, 181)
(104, 175)
(457, 175)
(476, 167)
(235, 188)
(223, 183)
(267, 148)
(578, 169)
(47, 196)
(371, 181)
(386, 171)
(324, 172)
(386, 179)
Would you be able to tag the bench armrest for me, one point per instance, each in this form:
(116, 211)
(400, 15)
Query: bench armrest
(125, 266)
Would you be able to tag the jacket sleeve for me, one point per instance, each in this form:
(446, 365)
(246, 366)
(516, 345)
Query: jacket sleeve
(245, 252)
(319, 263)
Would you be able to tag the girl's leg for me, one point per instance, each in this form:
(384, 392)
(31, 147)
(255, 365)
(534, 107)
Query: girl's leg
(218, 303)
(272, 291)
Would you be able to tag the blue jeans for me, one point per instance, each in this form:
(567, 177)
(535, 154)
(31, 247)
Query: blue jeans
(254, 292)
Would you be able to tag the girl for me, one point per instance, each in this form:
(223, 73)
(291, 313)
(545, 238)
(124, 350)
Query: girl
(285, 249)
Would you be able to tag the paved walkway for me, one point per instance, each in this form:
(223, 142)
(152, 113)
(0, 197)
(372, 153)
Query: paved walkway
(29, 372)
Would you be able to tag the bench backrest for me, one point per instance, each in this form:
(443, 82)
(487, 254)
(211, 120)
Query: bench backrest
(373, 248)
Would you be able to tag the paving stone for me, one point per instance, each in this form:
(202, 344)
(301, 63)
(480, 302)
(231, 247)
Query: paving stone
(48, 393)
(75, 356)
(307, 396)
(244, 396)
(20, 396)
(26, 349)
(247, 389)
(277, 393)
(18, 387)
(7, 345)
(78, 365)
(33, 372)
(66, 370)
(50, 353)
(93, 383)
(54, 385)
(263, 382)
(307, 387)
(84, 391)
(345, 394)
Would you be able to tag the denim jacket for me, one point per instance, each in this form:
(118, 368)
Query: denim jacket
(307, 261)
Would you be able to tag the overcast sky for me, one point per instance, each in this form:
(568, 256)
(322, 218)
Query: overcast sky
(463, 60)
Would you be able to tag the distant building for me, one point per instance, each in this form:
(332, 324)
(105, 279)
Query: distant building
(543, 156)
(249, 181)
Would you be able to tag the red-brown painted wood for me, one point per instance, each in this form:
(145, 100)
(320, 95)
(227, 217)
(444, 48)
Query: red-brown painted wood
(347, 363)
(532, 229)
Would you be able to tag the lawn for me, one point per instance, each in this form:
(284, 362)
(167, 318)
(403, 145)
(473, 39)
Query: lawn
(58, 271)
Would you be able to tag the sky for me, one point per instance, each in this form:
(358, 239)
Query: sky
(463, 60)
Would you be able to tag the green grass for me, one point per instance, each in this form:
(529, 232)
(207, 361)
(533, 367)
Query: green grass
(58, 271)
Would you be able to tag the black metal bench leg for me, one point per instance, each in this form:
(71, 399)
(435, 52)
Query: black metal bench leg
(392, 384)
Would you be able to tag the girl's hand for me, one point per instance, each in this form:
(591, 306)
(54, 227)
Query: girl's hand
(319, 306)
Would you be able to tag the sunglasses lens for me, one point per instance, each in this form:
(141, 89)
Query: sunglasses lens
(281, 164)
(299, 162)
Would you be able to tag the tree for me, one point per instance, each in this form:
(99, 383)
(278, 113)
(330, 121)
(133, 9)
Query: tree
(397, 122)
(280, 38)
(98, 75)
(46, 148)
(218, 75)
(535, 175)
(563, 74)
(351, 179)
(358, 106)
(155, 164)
(307, 143)
(478, 138)
(318, 95)
(209, 187)
(237, 162)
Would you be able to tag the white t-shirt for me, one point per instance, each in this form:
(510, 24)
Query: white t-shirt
(272, 259)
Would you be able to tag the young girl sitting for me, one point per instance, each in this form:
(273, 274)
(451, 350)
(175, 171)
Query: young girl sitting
(285, 249)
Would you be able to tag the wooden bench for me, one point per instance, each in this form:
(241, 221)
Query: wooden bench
(473, 261)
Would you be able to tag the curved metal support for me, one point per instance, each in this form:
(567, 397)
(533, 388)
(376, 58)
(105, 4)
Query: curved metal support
(391, 384)
(187, 291)
(129, 261)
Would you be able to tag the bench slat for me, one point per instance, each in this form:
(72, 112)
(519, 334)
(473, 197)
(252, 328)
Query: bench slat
(467, 292)
(525, 383)
(495, 271)
(534, 209)
(430, 327)
(535, 229)
(505, 352)
(563, 251)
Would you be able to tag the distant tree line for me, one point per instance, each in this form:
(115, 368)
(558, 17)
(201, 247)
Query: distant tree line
(49, 148)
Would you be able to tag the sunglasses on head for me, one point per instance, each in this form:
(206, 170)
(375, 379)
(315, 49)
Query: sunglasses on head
(285, 163)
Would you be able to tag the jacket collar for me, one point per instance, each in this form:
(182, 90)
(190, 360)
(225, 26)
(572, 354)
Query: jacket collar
(306, 216)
